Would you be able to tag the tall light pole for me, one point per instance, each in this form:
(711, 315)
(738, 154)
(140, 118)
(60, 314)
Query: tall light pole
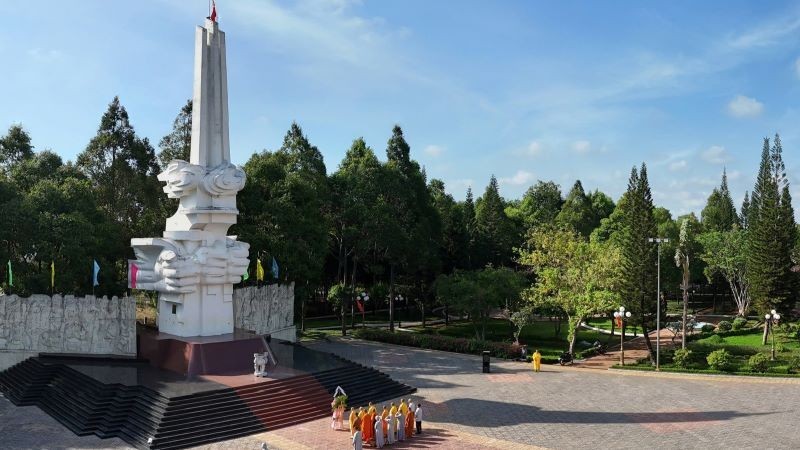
(621, 315)
(772, 319)
(658, 301)
(363, 298)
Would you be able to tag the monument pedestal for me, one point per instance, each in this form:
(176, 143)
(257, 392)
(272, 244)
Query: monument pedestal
(201, 355)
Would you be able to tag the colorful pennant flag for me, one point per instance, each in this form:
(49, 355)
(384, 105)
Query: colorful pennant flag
(259, 270)
(133, 274)
(52, 274)
(10, 274)
(246, 275)
(213, 16)
(274, 268)
(95, 271)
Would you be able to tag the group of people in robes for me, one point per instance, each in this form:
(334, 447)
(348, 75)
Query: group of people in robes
(393, 423)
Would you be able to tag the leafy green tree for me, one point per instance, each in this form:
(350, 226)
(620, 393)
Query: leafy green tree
(580, 278)
(178, 143)
(611, 228)
(468, 211)
(771, 235)
(122, 169)
(477, 293)
(577, 211)
(638, 255)
(602, 206)
(719, 213)
(15, 146)
(455, 237)
(725, 253)
(496, 231)
(684, 255)
(541, 204)
(283, 210)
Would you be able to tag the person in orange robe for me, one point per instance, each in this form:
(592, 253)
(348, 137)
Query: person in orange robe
(409, 424)
(367, 427)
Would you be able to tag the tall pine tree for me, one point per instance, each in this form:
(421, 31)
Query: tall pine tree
(720, 213)
(639, 255)
(771, 235)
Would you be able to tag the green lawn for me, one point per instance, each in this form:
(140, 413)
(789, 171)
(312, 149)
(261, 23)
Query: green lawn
(605, 324)
(379, 317)
(539, 335)
(741, 347)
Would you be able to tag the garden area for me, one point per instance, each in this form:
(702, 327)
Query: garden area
(548, 336)
(734, 348)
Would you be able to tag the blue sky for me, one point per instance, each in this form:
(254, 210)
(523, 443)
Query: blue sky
(522, 90)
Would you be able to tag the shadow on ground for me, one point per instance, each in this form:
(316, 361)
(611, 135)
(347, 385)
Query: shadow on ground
(498, 414)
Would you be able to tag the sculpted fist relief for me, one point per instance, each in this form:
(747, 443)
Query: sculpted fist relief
(182, 178)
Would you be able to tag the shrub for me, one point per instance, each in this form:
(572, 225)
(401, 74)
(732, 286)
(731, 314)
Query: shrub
(707, 328)
(715, 339)
(682, 357)
(436, 342)
(724, 326)
(758, 363)
(720, 360)
(794, 364)
(739, 323)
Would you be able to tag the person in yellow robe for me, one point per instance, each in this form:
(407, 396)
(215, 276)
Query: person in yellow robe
(371, 409)
(384, 415)
(352, 419)
(537, 361)
(403, 406)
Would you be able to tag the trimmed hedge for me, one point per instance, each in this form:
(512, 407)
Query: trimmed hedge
(445, 343)
(648, 368)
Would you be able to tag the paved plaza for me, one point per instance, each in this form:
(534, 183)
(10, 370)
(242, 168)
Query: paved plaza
(515, 408)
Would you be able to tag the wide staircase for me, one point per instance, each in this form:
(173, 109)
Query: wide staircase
(146, 419)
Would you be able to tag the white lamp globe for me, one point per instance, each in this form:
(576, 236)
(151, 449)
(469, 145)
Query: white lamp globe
(628, 314)
(773, 312)
(766, 316)
(366, 297)
(621, 309)
(616, 314)
(777, 317)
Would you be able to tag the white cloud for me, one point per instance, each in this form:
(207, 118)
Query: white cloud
(767, 34)
(678, 165)
(434, 150)
(582, 147)
(520, 178)
(716, 155)
(742, 106)
(534, 149)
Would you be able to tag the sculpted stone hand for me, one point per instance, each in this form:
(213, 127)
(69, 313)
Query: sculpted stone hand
(182, 178)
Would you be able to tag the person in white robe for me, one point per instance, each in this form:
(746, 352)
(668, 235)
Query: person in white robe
(391, 437)
(378, 432)
(401, 426)
(357, 444)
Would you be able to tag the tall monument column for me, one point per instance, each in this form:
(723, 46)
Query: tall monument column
(195, 264)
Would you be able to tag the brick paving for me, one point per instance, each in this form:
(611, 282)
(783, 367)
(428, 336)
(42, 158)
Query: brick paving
(512, 407)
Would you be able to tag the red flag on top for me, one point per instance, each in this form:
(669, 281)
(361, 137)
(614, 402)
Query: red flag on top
(133, 273)
(213, 16)
(360, 306)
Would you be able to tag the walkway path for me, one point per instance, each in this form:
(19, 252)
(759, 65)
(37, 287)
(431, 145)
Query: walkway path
(635, 349)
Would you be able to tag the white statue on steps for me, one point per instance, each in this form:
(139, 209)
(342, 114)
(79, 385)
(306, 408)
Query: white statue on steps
(260, 361)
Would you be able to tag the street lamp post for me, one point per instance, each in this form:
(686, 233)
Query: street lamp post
(658, 301)
(621, 315)
(363, 298)
(772, 319)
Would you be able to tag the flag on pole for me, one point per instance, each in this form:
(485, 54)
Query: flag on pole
(95, 271)
(10, 274)
(133, 273)
(246, 275)
(259, 270)
(213, 16)
(52, 274)
(274, 268)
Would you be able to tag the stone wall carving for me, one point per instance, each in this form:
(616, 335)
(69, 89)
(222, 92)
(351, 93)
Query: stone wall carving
(266, 310)
(68, 324)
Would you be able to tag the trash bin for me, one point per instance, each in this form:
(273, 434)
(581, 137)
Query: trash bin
(485, 362)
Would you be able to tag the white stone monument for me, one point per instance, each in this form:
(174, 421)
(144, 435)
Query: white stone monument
(195, 264)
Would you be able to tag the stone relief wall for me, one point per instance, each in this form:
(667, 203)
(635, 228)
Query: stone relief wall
(266, 310)
(68, 324)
